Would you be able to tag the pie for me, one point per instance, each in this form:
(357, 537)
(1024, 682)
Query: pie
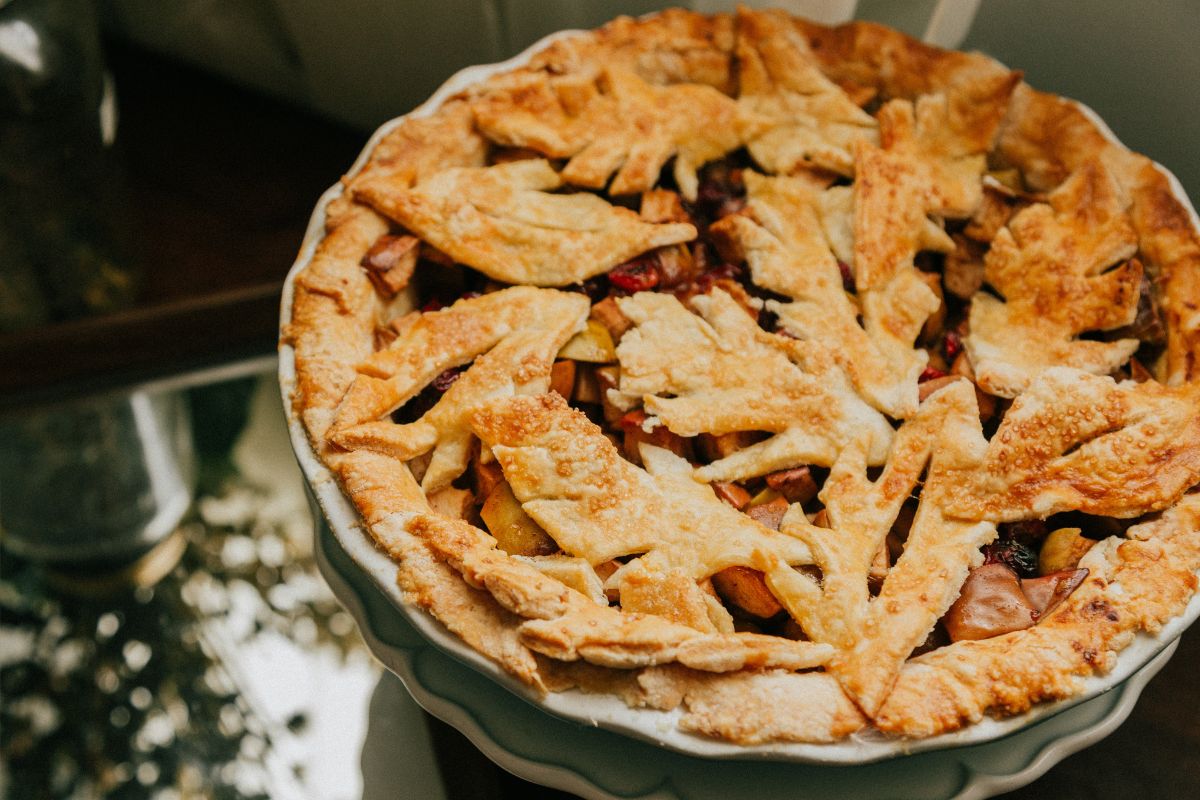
(805, 379)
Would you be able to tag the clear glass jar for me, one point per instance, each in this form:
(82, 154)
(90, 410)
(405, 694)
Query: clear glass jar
(59, 182)
(100, 479)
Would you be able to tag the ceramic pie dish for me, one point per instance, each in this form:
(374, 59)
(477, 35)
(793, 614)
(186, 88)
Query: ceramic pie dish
(759, 388)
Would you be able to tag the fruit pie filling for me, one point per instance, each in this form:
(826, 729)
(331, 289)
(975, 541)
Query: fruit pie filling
(1024, 573)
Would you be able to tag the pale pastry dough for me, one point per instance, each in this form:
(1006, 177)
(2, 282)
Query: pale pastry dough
(720, 373)
(1154, 575)
(1054, 266)
(1075, 441)
(861, 511)
(782, 238)
(812, 122)
(504, 222)
(598, 506)
(509, 337)
(616, 126)
(938, 553)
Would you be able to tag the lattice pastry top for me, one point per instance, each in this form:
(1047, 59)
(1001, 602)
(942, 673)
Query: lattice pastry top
(805, 378)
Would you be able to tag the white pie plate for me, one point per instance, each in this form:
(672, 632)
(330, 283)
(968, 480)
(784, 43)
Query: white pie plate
(609, 712)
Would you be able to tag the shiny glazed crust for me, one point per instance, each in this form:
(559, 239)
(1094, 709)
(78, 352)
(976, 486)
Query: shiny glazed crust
(1072, 440)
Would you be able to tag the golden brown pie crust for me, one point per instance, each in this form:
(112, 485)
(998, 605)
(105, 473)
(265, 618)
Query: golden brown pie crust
(834, 386)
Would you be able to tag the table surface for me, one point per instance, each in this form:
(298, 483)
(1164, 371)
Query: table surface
(219, 226)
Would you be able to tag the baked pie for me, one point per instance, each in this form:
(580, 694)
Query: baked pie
(805, 379)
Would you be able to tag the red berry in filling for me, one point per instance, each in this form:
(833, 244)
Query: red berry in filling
(444, 381)
(952, 345)
(930, 373)
(639, 275)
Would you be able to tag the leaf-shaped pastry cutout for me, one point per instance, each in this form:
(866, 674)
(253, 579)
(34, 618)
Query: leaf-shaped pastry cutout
(621, 124)
(953, 131)
(718, 372)
(1075, 441)
(1132, 584)
(570, 478)
(861, 512)
(812, 121)
(419, 147)
(503, 221)
(1050, 265)
(781, 236)
(889, 211)
(937, 555)
(564, 624)
(892, 193)
(536, 110)
(511, 336)
(931, 161)
(645, 125)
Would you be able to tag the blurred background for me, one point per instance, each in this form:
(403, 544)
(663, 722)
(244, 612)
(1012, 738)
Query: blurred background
(1136, 64)
(164, 631)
